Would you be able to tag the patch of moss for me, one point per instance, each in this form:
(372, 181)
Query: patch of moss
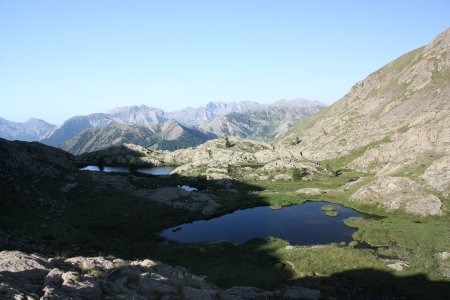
(328, 208)
(331, 213)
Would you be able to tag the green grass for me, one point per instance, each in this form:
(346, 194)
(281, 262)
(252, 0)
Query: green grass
(331, 213)
(343, 161)
(269, 264)
(111, 222)
(330, 210)
(411, 238)
(419, 167)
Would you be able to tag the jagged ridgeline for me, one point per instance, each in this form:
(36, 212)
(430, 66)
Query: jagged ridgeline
(157, 129)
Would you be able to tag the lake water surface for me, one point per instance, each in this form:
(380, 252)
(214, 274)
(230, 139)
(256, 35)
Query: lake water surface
(152, 171)
(302, 224)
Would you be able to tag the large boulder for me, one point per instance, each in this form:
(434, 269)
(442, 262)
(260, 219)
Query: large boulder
(21, 274)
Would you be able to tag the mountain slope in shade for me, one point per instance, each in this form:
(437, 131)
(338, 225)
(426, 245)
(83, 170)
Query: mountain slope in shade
(31, 130)
(169, 135)
(74, 126)
(264, 124)
(134, 115)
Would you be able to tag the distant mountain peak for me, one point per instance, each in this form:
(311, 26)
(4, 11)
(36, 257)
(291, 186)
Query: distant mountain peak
(30, 130)
(134, 108)
(299, 103)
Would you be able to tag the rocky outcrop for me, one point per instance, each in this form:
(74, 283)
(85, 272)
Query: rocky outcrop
(216, 158)
(215, 153)
(399, 193)
(30, 276)
(437, 175)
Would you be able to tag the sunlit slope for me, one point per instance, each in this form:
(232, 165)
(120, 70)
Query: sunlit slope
(402, 110)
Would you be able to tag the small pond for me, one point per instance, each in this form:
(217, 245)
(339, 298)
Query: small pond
(302, 224)
(152, 171)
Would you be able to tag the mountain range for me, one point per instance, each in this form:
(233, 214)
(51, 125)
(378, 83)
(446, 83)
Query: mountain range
(31, 130)
(153, 127)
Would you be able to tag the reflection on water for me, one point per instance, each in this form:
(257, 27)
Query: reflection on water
(303, 224)
(152, 171)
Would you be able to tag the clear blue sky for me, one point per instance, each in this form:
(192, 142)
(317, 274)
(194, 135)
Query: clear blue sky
(64, 58)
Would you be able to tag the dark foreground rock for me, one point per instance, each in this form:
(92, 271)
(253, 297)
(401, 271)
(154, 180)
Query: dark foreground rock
(31, 276)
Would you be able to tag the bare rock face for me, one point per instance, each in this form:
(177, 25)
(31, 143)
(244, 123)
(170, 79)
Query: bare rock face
(399, 193)
(18, 268)
(24, 276)
(437, 175)
(71, 284)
